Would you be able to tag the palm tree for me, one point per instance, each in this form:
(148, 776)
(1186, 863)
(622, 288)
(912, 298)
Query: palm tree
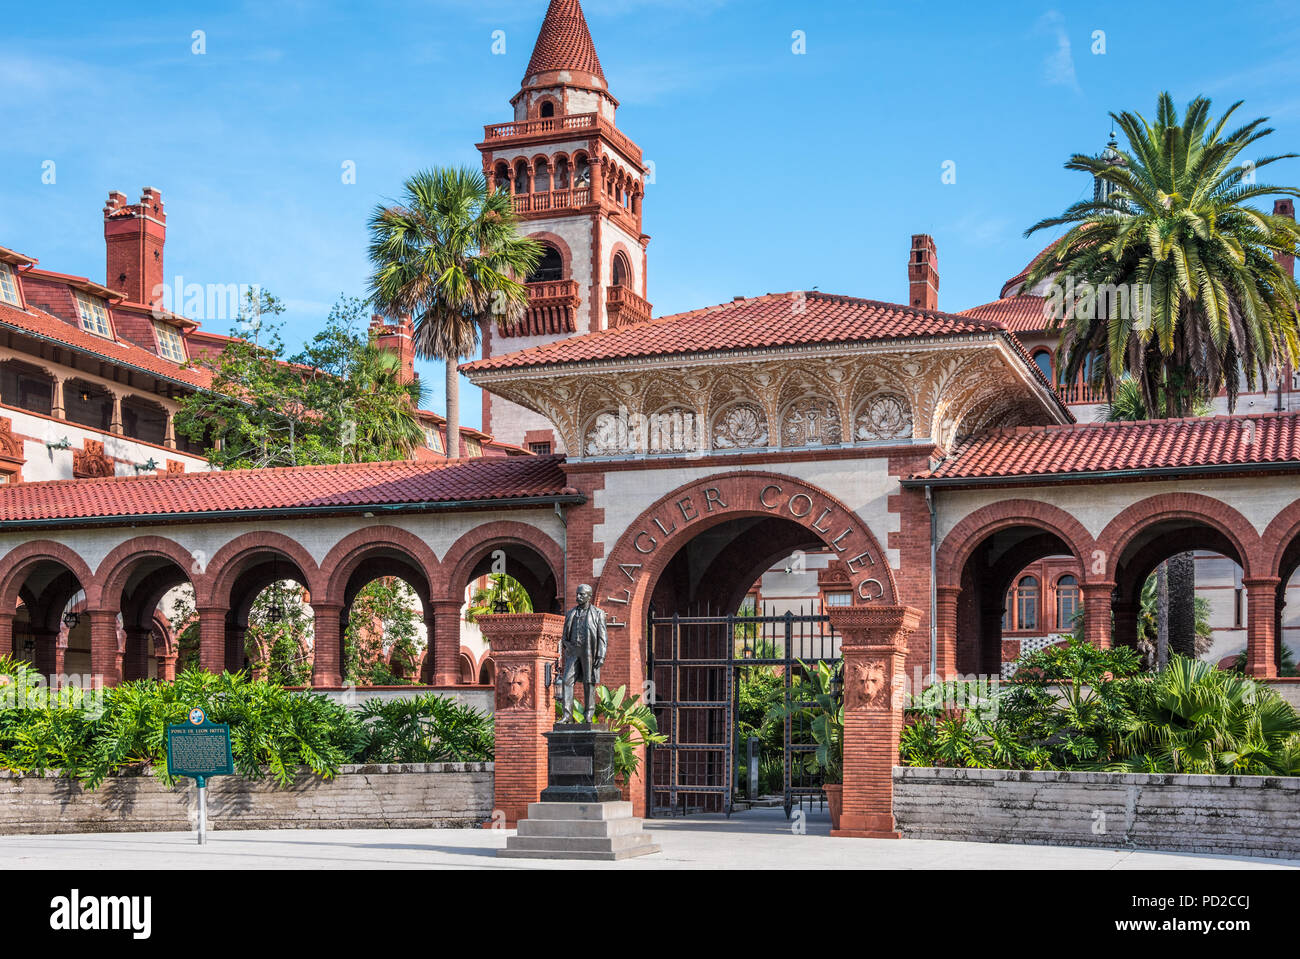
(386, 407)
(1173, 224)
(448, 256)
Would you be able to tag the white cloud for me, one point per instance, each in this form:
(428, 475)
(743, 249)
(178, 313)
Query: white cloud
(1058, 66)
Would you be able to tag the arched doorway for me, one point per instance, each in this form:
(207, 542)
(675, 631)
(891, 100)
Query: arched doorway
(673, 589)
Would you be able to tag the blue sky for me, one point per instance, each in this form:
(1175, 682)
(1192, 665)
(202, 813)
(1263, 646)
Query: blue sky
(774, 171)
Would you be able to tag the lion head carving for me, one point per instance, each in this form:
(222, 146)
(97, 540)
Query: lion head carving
(515, 687)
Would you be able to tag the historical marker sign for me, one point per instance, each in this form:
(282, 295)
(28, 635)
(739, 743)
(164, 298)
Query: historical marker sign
(199, 749)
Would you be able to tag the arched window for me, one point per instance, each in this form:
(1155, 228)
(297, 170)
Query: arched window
(1067, 602)
(550, 268)
(502, 176)
(582, 172)
(542, 176)
(521, 177)
(622, 272)
(1027, 603)
(548, 109)
(1044, 361)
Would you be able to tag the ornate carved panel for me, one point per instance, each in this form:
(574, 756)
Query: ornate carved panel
(91, 461)
(740, 426)
(811, 421)
(884, 416)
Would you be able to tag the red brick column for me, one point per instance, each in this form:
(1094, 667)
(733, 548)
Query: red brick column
(522, 644)
(212, 639)
(44, 654)
(873, 642)
(104, 649)
(945, 661)
(166, 667)
(1261, 618)
(135, 656)
(442, 661)
(7, 635)
(1126, 624)
(327, 651)
(1096, 613)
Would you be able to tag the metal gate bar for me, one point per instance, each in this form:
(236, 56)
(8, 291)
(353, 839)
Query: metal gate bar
(693, 661)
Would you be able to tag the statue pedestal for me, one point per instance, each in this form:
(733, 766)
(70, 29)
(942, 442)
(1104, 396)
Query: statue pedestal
(582, 814)
(580, 764)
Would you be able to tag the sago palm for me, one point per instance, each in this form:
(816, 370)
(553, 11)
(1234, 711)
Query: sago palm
(449, 256)
(1213, 304)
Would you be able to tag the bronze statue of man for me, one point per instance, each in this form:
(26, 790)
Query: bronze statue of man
(584, 645)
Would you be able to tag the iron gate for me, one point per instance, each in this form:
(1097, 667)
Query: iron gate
(695, 662)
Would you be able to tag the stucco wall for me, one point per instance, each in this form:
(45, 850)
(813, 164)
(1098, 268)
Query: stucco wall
(317, 536)
(416, 796)
(1220, 815)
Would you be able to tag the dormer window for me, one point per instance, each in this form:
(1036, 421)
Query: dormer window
(94, 315)
(8, 285)
(170, 345)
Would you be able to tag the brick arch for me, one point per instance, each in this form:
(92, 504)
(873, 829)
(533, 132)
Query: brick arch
(560, 245)
(970, 533)
(348, 554)
(635, 282)
(224, 567)
(752, 493)
(18, 561)
(470, 549)
(1216, 514)
(116, 567)
(1277, 539)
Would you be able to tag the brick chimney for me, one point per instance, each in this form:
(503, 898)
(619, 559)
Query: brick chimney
(1285, 208)
(399, 338)
(134, 236)
(923, 273)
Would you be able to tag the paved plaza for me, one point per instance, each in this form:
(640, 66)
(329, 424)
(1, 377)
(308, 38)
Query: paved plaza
(760, 839)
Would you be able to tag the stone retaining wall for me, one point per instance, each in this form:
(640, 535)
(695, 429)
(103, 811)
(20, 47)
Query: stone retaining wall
(1221, 815)
(408, 796)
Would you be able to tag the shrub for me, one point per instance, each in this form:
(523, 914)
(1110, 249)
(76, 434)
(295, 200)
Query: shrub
(424, 729)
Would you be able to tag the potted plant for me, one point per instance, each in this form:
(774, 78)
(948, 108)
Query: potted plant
(815, 699)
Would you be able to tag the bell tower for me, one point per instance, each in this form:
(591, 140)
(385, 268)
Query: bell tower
(577, 183)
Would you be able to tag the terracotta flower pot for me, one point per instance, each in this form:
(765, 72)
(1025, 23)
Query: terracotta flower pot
(834, 800)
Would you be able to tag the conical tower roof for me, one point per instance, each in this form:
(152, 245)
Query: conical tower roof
(564, 43)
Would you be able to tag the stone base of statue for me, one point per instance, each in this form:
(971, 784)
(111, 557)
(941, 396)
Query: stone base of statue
(582, 814)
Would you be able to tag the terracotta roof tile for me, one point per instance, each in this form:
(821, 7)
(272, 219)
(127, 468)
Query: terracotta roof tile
(40, 323)
(313, 488)
(777, 319)
(564, 42)
(1196, 442)
(1020, 314)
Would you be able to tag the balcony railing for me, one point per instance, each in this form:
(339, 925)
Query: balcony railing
(552, 309)
(552, 200)
(623, 307)
(1080, 394)
(579, 123)
(525, 128)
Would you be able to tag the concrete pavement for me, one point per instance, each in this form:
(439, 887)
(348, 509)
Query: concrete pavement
(759, 839)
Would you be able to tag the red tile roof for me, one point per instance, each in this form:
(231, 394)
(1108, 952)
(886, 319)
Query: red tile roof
(1019, 314)
(314, 489)
(564, 42)
(50, 327)
(763, 321)
(1197, 443)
